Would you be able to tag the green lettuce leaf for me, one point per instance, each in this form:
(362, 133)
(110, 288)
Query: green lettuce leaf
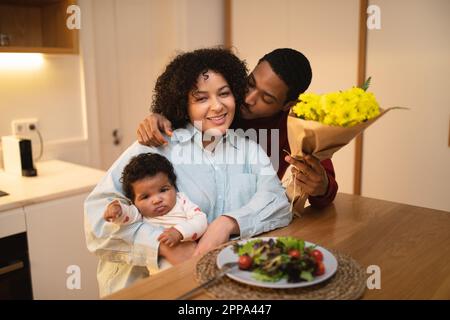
(257, 275)
(292, 243)
(306, 275)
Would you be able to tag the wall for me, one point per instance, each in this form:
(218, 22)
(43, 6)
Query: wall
(133, 40)
(200, 23)
(406, 154)
(51, 93)
(325, 31)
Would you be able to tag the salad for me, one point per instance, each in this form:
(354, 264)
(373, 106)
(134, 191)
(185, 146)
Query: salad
(285, 257)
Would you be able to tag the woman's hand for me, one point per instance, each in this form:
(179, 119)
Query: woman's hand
(150, 130)
(218, 232)
(309, 175)
(179, 253)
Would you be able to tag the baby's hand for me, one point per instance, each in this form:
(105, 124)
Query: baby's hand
(170, 237)
(113, 211)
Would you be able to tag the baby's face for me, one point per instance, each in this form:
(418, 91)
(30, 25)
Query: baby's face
(154, 196)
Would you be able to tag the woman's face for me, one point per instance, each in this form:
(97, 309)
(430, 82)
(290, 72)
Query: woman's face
(211, 104)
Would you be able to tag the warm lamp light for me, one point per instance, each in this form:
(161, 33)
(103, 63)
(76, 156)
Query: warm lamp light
(21, 61)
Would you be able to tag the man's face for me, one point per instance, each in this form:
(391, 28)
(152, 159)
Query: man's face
(267, 93)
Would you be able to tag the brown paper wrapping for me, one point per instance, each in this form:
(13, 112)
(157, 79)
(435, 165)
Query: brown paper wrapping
(321, 141)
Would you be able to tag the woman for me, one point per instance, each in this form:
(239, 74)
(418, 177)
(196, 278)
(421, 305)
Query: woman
(229, 177)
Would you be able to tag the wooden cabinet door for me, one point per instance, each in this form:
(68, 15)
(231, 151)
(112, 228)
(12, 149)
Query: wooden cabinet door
(58, 252)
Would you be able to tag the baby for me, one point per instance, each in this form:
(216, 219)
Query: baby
(149, 181)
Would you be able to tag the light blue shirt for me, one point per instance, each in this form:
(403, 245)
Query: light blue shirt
(235, 179)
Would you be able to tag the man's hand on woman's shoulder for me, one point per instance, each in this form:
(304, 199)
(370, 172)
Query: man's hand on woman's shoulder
(151, 128)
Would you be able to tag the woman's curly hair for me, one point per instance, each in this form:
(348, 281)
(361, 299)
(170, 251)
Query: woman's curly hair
(173, 86)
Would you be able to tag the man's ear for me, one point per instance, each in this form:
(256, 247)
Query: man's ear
(289, 105)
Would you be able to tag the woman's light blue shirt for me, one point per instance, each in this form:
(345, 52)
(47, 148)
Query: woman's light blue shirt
(235, 179)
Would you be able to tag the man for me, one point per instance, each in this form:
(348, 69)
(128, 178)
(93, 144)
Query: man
(273, 88)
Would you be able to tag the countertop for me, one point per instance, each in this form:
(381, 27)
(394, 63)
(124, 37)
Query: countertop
(55, 179)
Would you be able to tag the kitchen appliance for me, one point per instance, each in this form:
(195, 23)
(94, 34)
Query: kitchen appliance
(18, 156)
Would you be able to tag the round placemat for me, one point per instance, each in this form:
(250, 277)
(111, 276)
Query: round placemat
(347, 283)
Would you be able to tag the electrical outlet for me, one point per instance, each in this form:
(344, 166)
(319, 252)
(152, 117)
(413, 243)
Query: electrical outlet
(24, 127)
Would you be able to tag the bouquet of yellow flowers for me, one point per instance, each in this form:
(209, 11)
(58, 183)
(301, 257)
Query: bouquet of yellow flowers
(343, 109)
(320, 125)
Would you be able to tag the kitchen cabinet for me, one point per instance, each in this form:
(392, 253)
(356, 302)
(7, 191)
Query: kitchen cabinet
(15, 280)
(49, 209)
(57, 250)
(36, 26)
(15, 277)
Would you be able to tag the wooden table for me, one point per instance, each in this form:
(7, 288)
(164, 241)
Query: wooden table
(411, 245)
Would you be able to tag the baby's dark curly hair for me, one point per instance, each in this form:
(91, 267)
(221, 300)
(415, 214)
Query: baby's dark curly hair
(142, 166)
(173, 86)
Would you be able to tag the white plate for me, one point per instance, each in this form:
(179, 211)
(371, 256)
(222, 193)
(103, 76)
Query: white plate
(227, 255)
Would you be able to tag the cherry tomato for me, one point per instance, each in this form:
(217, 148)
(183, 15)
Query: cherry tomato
(245, 262)
(316, 254)
(294, 253)
(320, 268)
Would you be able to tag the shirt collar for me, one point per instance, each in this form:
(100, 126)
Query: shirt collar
(192, 133)
(184, 134)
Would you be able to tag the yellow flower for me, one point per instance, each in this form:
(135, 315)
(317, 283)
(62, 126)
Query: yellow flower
(345, 109)
(368, 106)
(330, 120)
(330, 101)
(349, 97)
(310, 98)
(356, 92)
(308, 108)
(298, 110)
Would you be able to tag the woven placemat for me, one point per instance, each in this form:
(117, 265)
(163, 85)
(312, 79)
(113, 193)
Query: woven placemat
(347, 283)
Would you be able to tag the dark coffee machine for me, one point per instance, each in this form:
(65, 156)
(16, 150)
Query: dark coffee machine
(18, 156)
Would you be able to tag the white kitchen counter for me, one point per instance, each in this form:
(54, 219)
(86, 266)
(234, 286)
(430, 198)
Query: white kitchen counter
(55, 179)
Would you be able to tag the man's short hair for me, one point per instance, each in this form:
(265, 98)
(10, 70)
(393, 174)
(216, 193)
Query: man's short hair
(293, 68)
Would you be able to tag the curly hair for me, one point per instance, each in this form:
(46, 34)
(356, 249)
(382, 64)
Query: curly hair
(142, 166)
(173, 86)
